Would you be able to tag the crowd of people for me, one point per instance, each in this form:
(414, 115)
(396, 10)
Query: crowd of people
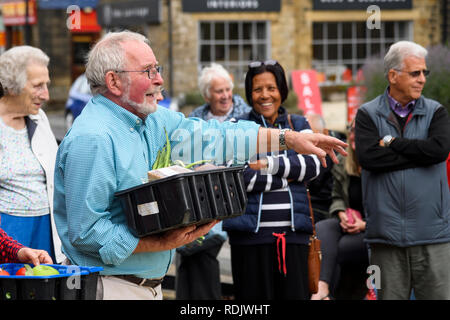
(381, 197)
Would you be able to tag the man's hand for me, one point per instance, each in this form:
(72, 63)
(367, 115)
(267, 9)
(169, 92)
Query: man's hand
(316, 143)
(173, 238)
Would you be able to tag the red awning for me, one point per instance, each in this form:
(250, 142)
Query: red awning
(86, 21)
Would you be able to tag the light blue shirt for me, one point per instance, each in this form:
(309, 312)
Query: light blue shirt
(109, 149)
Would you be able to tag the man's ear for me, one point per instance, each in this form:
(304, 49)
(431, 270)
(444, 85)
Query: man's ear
(392, 76)
(114, 84)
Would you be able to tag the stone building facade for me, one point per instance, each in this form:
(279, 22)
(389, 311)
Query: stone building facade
(331, 37)
(291, 35)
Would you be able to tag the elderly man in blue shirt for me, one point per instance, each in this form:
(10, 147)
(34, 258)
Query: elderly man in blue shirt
(111, 147)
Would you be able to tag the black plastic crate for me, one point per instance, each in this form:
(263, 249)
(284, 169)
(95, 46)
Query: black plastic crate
(184, 199)
(73, 283)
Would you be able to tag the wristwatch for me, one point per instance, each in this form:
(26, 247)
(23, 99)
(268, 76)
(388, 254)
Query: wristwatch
(282, 139)
(387, 140)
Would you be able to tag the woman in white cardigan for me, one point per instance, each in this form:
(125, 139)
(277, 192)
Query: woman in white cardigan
(27, 151)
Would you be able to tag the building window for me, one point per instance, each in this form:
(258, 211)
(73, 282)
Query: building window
(340, 48)
(233, 44)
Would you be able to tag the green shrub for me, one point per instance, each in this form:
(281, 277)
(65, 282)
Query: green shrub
(193, 98)
(437, 86)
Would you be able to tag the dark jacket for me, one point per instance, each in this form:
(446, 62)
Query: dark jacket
(300, 168)
(405, 192)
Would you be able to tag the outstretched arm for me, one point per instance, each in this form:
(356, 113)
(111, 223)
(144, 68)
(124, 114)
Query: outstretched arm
(302, 143)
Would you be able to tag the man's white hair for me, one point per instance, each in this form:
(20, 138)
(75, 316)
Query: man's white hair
(208, 74)
(13, 67)
(399, 51)
(108, 54)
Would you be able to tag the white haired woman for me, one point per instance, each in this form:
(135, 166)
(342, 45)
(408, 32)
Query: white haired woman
(216, 87)
(27, 151)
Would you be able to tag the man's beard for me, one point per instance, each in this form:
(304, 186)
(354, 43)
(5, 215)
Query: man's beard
(144, 108)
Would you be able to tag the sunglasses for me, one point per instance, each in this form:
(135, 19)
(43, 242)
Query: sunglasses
(415, 74)
(257, 64)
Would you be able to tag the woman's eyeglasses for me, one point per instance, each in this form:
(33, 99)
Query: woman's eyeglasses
(257, 64)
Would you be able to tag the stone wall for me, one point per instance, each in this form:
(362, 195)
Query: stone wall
(427, 27)
(290, 32)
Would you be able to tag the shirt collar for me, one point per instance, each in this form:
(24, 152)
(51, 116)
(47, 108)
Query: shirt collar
(397, 107)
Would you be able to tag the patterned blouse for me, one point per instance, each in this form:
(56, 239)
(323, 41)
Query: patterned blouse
(22, 179)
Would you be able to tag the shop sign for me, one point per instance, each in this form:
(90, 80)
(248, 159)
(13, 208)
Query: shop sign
(130, 13)
(360, 4)
(14, 13)
(231, 5)
(307, 89)
(63, 4)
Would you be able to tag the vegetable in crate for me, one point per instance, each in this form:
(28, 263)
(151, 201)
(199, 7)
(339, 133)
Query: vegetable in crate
(39, 270)
(43, 270)
(163, 160)
(3, 272)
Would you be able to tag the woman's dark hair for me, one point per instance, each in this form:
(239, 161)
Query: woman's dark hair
(1, 91)
(258, 67)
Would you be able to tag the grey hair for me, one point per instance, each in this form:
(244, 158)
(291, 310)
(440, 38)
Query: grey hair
(13, 67)
(399, 51)
(214, 71)
(108, 54)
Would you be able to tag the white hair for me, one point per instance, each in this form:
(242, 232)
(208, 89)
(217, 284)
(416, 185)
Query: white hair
(208, 74)
(108, 54)
(399, 51)
(13, 67)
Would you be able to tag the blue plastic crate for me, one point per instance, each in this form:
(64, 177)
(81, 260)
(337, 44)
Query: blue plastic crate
(72, 283)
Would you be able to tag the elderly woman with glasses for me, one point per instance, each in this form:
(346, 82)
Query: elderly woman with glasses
(269, 243)
(27, 151)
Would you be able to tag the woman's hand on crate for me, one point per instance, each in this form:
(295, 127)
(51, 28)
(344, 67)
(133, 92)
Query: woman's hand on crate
(34, 256)
(173, 238)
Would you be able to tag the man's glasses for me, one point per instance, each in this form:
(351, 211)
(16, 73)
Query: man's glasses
(415, 74)
(151, 72)
(257, 64)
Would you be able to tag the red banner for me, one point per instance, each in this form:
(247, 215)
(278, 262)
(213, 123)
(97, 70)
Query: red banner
(355, 97)
(2, 39)
(307, 89)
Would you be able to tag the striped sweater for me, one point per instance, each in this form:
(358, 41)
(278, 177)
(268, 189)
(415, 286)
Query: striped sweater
(277, 198)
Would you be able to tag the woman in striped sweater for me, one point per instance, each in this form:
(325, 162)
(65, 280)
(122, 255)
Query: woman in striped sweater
(269, 243)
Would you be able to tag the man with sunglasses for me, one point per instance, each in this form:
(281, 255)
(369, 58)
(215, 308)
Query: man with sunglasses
(111, 147)
(402, 142)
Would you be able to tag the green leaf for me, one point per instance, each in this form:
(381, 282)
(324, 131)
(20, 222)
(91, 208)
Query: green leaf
(29, 271)
(196, 163)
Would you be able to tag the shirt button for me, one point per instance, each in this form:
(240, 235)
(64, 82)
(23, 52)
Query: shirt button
(138, 121)
(132, 129)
